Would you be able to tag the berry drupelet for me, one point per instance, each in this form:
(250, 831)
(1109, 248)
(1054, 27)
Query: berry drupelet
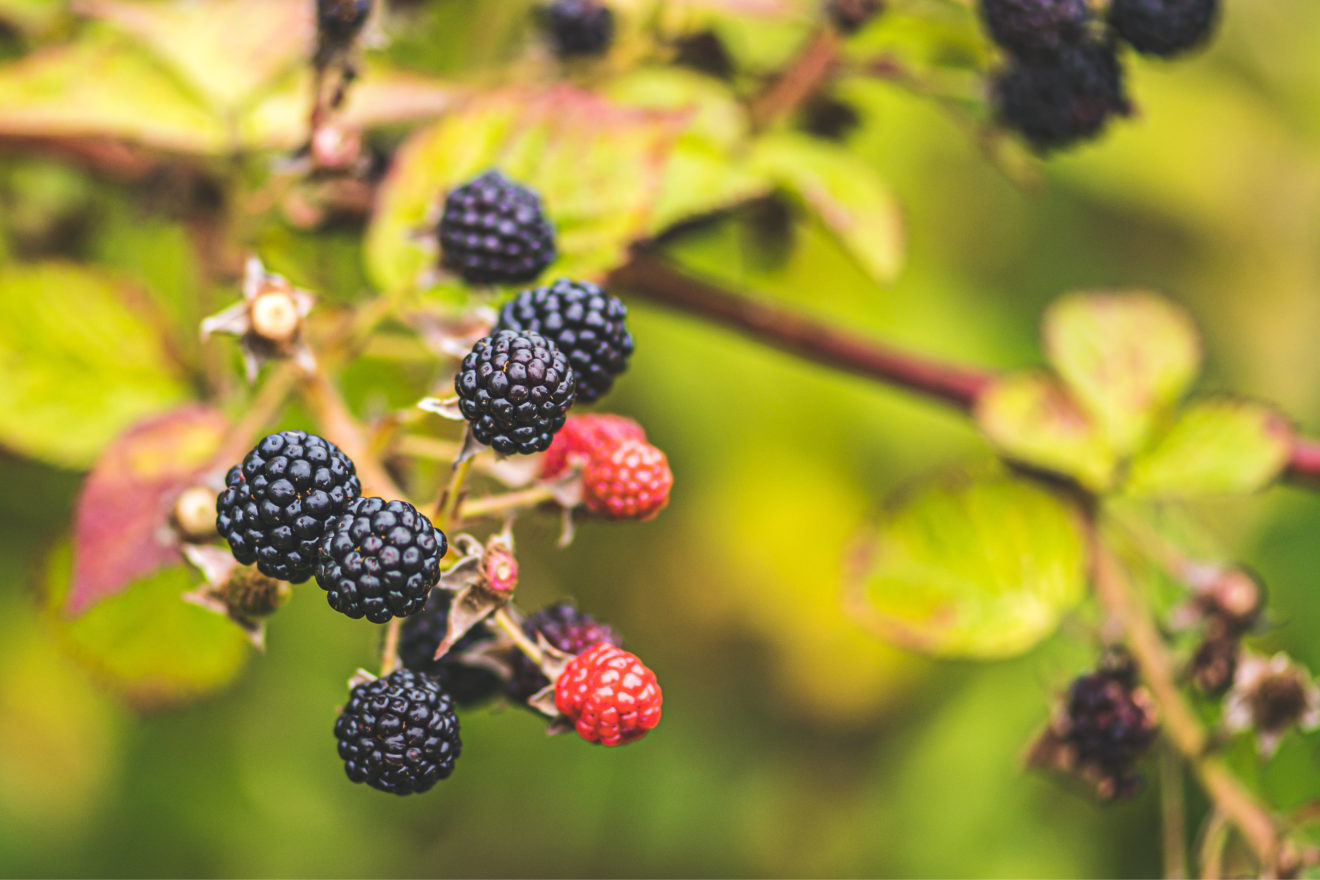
(1058, 102)
(277, 504)
(380, 560)
(1036, 29)
(569, 630)
(585, 322)
(1164, 27)
(399, 734)
(515, 388)
(422, 634)
(494, 231)
(578, 28)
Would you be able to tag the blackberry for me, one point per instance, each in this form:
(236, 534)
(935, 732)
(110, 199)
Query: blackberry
(705, 53)
(1036, 29)
(380, 560)
(1109, 725)
(850, 15)
(1059, 102)
(828, 118)
(515, 388)
(584, 322)
(1164, 27)
(578, 28)
(276, 505)
(399, 734)
(494, 231)
(341, 20)
(423, 633)
(565, 627)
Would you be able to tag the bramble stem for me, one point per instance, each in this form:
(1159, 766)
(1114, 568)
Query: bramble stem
(259, 413)
(1180, 724)
(1173, 820)
(389, 652)
(514, 632)
(496, 504)
(1213, 841)
(446, 509)
(804, 77)
(343, 429)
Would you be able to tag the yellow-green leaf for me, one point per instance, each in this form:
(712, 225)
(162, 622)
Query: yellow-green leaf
(80, 363)
(1127, 358)
(968, 567)
(1031, 418)
(146, 643)
(1214, 447)
(845, 193)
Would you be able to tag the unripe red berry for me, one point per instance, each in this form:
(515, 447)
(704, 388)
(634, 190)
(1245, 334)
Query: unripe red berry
(632, 482)
(609, 695)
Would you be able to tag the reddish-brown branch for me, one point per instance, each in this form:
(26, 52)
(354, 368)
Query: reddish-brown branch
(658, 281)
(804, 77)
(654, 279)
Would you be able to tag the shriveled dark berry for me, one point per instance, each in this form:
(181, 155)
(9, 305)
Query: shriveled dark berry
(565, 627)
(515, 388)
(584, 322)
(494, 231)
(1056, 103)
(850, 15)
(422, 634)
(1164, 27)
(578, 28)
(380, 560)
(1036, 29)
(399, 734)
(277, 504)
(1109, 725)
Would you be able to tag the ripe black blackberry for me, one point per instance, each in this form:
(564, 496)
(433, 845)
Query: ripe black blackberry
(1059, 102)
(399, 734)
(1164, 27)
(494, 231)
(1036, 29)
(276, 505)
(578, 28)
(422, 634)
(584, 322)
(380, 560)
(515, 388)
(565, 627)
(1110, 725)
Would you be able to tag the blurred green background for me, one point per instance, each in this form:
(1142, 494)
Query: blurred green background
(793, 743)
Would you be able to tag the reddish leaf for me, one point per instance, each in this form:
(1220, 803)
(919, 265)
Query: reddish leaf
(121, 524)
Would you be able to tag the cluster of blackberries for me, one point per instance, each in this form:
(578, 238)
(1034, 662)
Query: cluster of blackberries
(1063, 79)
(1105, 725)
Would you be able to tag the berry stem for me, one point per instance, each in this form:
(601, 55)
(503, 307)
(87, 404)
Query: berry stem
(1181, 726)
(259, 412)
(389, 653)
(446, 509)
(493, 505)
(1173, 810)
(514, 631)
(343, 429)
(803, 78)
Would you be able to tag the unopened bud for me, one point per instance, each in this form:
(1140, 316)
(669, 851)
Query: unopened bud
(275, 316)
(251, 594)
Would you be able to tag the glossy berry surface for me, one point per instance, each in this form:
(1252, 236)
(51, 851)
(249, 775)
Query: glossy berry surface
(399, 734)
(422, 634)
(585, 322)
(1059, 102)
(1036, 29)
(609, 695)
(380, 560)
(277, 504)
(515, 388)
(1164, 27)
(585, 437)
(569, 630)
(494, 231)
(578, 28)
(632, 482)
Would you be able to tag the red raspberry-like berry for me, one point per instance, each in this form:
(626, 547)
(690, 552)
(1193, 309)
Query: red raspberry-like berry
(632, 482)
(586, 437)
(609, 695)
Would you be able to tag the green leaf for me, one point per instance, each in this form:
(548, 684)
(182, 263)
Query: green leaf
(80, 363)
(1214, 447)
(978, 568)
(596, 165)
(227, 50)
(1127, 358)
(1031, 418)
(844, 191)
(102, 88)
(146, 643)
